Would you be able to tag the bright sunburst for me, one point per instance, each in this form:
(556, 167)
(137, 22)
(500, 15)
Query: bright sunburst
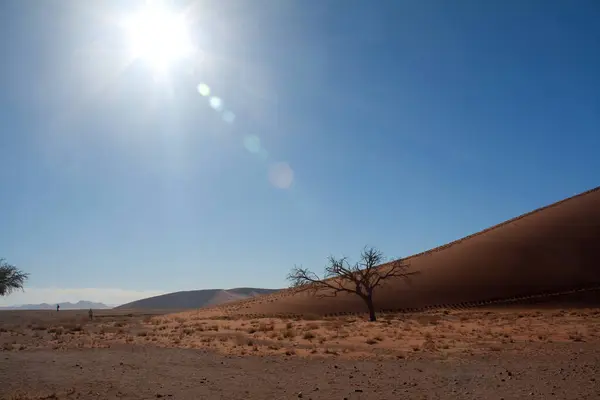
(158, 35)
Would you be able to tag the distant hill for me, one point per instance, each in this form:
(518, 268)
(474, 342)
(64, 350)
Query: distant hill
(196, 298)
(80, 305)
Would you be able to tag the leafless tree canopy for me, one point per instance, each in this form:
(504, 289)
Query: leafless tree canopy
(360, 278)
(11, 278)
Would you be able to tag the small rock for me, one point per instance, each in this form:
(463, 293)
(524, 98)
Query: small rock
(300, 395)
(358, 390)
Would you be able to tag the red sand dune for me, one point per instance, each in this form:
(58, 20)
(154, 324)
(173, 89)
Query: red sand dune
(551, 249)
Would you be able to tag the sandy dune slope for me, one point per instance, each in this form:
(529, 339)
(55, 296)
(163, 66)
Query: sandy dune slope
(551, 249)
(194, 298)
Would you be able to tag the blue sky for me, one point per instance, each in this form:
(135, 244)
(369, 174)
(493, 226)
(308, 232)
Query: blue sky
(399, 124)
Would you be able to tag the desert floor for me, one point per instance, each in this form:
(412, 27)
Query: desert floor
(473, 354)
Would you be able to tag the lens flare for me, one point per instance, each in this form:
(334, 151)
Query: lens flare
(216, 103)
(203, 89)
(281, 175)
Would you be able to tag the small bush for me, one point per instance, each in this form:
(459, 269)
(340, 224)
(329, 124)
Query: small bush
(38, 328)
(312, 326)
(308, 335)
(289, 334)
(76, 328)
(429, 345)
(311, 317)
(264, 327)
(576, 337)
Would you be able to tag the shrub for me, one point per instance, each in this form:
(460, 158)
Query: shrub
(289, 334)
(308, 335)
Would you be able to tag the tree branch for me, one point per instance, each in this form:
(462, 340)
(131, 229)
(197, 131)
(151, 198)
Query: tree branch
(360, 278)
(11, 278)
(303, 280)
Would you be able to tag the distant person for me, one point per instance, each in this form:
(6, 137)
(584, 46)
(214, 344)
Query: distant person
(91, 314)
(57, 307)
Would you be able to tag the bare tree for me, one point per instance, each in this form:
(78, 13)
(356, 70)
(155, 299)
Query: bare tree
(360, 278)
(11, 278)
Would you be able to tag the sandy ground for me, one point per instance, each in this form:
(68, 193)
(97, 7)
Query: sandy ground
(444, 354)
(542, 371)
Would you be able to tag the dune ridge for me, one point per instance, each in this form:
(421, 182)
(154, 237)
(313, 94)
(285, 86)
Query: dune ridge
(500, 225)
(547, 253)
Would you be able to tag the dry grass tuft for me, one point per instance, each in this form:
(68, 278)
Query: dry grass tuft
(308, 335)
(468, 331)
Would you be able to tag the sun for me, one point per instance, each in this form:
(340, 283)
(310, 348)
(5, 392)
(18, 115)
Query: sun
(159, 36)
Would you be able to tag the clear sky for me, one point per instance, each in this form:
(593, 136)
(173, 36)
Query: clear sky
(329, 125)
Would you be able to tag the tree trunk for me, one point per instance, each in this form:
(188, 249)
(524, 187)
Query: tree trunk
(369, 301)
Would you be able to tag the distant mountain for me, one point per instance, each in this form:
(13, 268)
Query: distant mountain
(80, 305)
(195, 298)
